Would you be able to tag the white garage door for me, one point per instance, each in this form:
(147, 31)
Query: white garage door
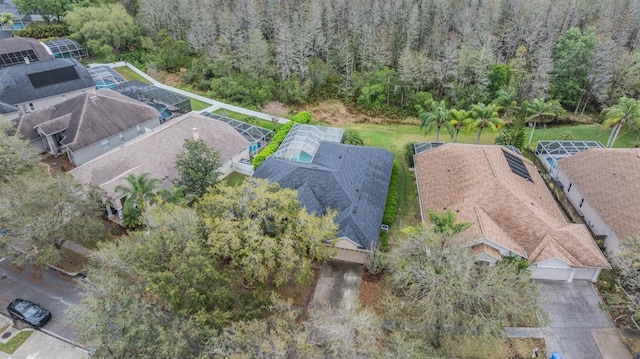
(562, 274)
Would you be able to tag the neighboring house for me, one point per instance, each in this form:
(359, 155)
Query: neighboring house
(43, 84)
(511, 211)
(550, 152)
(86, 126)
(353, 180)
(604, 187)
(155, 153)
(22, 50)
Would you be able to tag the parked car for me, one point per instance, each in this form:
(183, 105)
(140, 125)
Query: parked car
(29, 312)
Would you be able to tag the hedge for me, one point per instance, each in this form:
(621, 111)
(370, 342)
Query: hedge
(273, 145)
(392, 197)
(42, 32)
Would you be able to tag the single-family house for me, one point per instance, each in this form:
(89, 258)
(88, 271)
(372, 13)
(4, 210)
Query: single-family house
(155, 153)
(603, 184)
(353, 180)
(22, 50)
(88, 125)
(511, 211)
(42, 84)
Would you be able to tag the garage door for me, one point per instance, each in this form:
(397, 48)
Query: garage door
(562, 274)
(351, 256)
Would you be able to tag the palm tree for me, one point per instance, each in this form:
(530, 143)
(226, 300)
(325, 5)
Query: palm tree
(539, 110)
(458, 118)
(445, 222)
(140, 191)
(626, 112)
(175, 195)
(506, 101)
(437, 117)
(484, 116)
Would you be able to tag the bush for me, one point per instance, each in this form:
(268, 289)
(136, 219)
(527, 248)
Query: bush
(44, 31)
(392, 197)
(409, 151)
(273, 145)
(383, 242)
(302, 117)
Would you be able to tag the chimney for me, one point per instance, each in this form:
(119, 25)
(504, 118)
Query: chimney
(196, 135)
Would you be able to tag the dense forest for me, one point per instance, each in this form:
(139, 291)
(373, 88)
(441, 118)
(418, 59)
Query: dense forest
(379, 53)
(382, 56)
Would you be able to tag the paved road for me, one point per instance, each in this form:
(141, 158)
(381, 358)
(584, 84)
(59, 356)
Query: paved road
(52, 290)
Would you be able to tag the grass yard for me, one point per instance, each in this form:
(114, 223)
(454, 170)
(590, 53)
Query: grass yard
(129, 74)
(234, 179)
(245, 118)
(14, 343)
(197, 105)
(587, 132)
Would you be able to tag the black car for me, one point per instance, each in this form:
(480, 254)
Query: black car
(29, 312)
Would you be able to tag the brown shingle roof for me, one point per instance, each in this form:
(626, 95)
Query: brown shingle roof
(609, 180)
(88, 118)
(155, 152)
(477, 183)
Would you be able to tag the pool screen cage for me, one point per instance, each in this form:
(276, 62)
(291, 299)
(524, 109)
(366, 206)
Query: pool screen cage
(258, 136)
(302, 141)
(550, 152)
(170, 104)
(66, 48)
(105, 77)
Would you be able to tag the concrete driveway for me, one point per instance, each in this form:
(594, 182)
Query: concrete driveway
(339, 283)
(578, 328)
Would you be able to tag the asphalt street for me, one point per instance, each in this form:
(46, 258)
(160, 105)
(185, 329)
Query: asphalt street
(52, 290)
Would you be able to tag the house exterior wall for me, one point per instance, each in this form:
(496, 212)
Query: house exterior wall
(228, 167)
(347, 251)
(590, 216)
(39, 104)
(92, 151)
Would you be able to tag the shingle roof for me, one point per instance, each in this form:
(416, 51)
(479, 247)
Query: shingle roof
(21, 45)
(609, 180)
(155, 152)
(519, 214)
(354, 180)
(6, 108)
(16, 87)
(88, 118)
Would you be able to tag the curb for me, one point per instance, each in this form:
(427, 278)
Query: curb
(51, 334)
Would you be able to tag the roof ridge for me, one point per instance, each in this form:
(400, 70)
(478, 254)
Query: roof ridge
(550, 240)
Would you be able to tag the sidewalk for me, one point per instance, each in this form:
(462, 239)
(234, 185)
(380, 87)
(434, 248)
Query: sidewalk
(39, 345)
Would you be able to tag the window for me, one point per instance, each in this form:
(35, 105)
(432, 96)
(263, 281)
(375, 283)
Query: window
(581, 202)
(569, 189)
(105, 144)
(121, 137)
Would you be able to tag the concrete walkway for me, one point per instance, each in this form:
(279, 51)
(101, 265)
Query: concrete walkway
(40, 346)
(339, 284)
(73, 246)
(215, 105)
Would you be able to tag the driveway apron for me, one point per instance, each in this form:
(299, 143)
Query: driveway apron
(339, 283)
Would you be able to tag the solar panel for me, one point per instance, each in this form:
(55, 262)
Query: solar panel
(18, 57)
(517, 165)
(53, 77)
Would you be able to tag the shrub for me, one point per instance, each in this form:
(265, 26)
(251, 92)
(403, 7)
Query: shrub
(409, 151)
(44, 31)
(351, 137)
(302, 117)
(392, 197)
(273, 145)
(383, 242)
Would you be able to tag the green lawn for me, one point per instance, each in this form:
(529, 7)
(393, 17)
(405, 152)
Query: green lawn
(129, 74)
(234, 179)
(197, 105)
(245, 118)
(14, 343)
(589, 132)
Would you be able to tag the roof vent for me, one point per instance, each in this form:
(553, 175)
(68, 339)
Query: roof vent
(196, 135)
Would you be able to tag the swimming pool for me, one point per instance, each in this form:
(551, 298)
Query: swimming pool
(164, 113)
(105, 84)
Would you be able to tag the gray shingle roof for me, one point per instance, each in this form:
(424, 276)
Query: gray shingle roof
(17, 45)
(86, 119)
(354, 180)
(15, 86)
(6, 108)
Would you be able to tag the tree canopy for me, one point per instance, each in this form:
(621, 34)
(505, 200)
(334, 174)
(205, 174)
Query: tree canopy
(198, 167)
(264, 231)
